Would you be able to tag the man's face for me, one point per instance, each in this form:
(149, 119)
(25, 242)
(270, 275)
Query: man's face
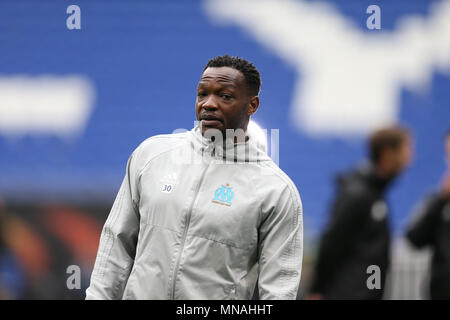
(223, 101)
(401, 157)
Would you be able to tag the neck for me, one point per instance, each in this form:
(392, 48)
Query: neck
(383, 173)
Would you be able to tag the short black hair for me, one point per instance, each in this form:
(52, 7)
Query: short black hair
(248, 69)
(386, 138)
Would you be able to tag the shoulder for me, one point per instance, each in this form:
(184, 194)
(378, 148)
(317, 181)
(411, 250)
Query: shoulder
(353, 187)
(161, 142)
(276, 182)
(357, 190)
(354, 197)
(155, 146)
(432, 203)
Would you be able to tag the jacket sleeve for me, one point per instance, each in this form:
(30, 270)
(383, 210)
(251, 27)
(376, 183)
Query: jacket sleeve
(349, 212)
(421, 231)
(115, 256)
(281, 248)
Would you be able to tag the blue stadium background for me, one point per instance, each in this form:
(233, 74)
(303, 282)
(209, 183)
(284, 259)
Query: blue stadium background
(144, 59)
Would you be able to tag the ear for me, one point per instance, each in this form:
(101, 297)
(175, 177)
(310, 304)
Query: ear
(253, 105)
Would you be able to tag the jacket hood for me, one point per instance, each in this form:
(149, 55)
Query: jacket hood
(252, 150)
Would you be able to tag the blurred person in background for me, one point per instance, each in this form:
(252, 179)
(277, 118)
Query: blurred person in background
(431, 228)
(357, 235)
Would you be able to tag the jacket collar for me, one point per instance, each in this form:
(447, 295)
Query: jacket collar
(251, 150)
(367, 170)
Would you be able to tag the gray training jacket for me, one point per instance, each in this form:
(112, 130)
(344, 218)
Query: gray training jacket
(197, 220)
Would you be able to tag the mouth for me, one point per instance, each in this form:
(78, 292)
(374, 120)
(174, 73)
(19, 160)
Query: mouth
(210, 121)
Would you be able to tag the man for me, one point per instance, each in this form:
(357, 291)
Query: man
(431, 227)
(202, 214)
(357, 235)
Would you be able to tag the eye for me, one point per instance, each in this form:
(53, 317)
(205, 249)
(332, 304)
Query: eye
(226, 96)
(201, 94)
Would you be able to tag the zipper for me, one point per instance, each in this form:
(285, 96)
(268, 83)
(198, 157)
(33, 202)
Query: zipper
(183, 239)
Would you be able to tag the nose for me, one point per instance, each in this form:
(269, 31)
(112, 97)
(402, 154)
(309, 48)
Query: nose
(209, 103)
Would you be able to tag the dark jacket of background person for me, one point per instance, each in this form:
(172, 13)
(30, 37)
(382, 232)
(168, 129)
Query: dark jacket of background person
(432, 228)
(357, 236)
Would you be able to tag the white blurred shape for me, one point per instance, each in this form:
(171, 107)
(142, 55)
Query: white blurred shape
(260, 135)
(54, 105)
(350, 81)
